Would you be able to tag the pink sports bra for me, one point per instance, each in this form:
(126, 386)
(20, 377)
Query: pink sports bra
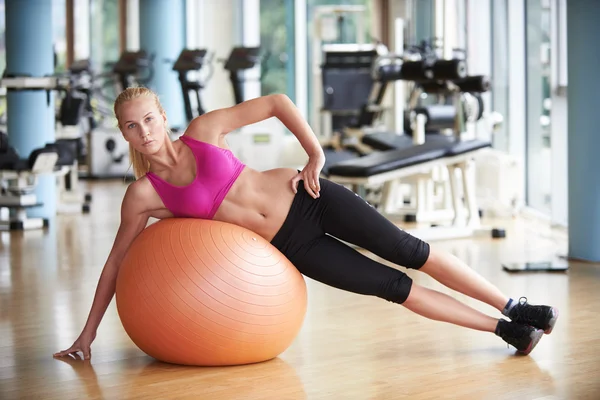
(216, 171)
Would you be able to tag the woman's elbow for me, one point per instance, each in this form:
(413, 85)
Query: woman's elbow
(278, 97)
(280, 103)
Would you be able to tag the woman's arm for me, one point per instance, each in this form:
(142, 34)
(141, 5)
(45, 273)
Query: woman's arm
(133, 221)
(213, 124)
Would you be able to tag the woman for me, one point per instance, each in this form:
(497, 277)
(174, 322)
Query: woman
(298, 212)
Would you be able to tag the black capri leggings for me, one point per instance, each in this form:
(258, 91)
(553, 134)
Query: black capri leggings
(308, 239)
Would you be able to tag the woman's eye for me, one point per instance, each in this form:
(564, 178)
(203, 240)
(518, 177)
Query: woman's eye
(131, 126)
(149, 119)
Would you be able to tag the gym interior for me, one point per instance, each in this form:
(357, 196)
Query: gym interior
(466, 122)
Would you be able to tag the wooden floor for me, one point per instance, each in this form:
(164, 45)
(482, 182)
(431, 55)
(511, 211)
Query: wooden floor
(350, 347)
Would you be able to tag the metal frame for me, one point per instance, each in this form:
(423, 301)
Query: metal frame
(465, 220)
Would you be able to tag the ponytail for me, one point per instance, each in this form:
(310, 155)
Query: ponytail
(139, 163)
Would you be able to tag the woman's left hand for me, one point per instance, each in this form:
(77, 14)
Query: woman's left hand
(310, 175)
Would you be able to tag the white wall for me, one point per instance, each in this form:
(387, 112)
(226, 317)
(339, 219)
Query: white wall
(558, 114)
(479, 41)
(133, 25)
(211, 25)
(560, 189)
(301, 56)
(250, 36)
(517, 127)
(82, 29)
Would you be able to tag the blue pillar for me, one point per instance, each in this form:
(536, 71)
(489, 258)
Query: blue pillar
(162, 33)
(584, 137)
(30, 118)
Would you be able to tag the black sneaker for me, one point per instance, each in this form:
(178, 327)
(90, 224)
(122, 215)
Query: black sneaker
(541, 317)
(523, 337)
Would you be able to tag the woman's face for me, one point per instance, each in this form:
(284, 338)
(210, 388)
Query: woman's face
(142, 124)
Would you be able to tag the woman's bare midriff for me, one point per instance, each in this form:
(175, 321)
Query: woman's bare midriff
(259, 201)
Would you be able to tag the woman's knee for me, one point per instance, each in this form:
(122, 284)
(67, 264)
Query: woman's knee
(413, 252)
(397, 289)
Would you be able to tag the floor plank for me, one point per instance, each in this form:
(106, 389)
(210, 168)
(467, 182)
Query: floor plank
(350, 347)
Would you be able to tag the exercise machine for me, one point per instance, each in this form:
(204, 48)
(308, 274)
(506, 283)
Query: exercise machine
(240, 60)
(332, 25)
(347, 81)
(421, 156)
(444, 81)
(133, 68)
(387, 168)
(67, 148)
(192, 61)
(75, 120)
(256, 143)
(18, 179)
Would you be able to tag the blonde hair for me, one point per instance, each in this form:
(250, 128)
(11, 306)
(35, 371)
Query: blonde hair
(139, 163)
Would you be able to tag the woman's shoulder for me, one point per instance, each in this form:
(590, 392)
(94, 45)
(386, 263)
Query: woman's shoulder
(204, 143)
(142, 199)
(139, 188)
(206, 128)
(139, 194)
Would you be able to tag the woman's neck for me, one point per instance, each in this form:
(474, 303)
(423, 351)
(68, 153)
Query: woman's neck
(166, 158)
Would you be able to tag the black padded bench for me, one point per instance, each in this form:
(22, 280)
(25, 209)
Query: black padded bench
(419, 162)
(380, 162)
(384, 141)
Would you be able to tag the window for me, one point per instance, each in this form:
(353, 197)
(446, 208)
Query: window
(500, 64)
(3, 36)
(59, 21)
(104, 38)
(538, 105)
(277, 39)
(2, 61)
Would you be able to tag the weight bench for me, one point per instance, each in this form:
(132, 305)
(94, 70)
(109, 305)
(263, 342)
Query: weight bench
(18, 179)
(429, 194)
(389, 167)
(384, 141)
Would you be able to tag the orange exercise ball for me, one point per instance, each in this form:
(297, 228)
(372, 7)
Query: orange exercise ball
(200, 292)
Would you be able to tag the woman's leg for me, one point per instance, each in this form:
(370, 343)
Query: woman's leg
(455, 274)
(441, 307)
(327, 260)
(351, 219)
(330, 261)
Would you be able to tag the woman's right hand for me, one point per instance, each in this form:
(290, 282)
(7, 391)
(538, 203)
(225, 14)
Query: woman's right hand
(82, 344)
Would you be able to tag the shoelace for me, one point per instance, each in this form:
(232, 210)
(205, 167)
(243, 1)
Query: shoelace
(531, 313)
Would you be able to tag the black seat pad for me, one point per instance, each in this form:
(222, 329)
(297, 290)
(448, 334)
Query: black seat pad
(377, 163)
(384, 141)
(465, 146)
(334, 157)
